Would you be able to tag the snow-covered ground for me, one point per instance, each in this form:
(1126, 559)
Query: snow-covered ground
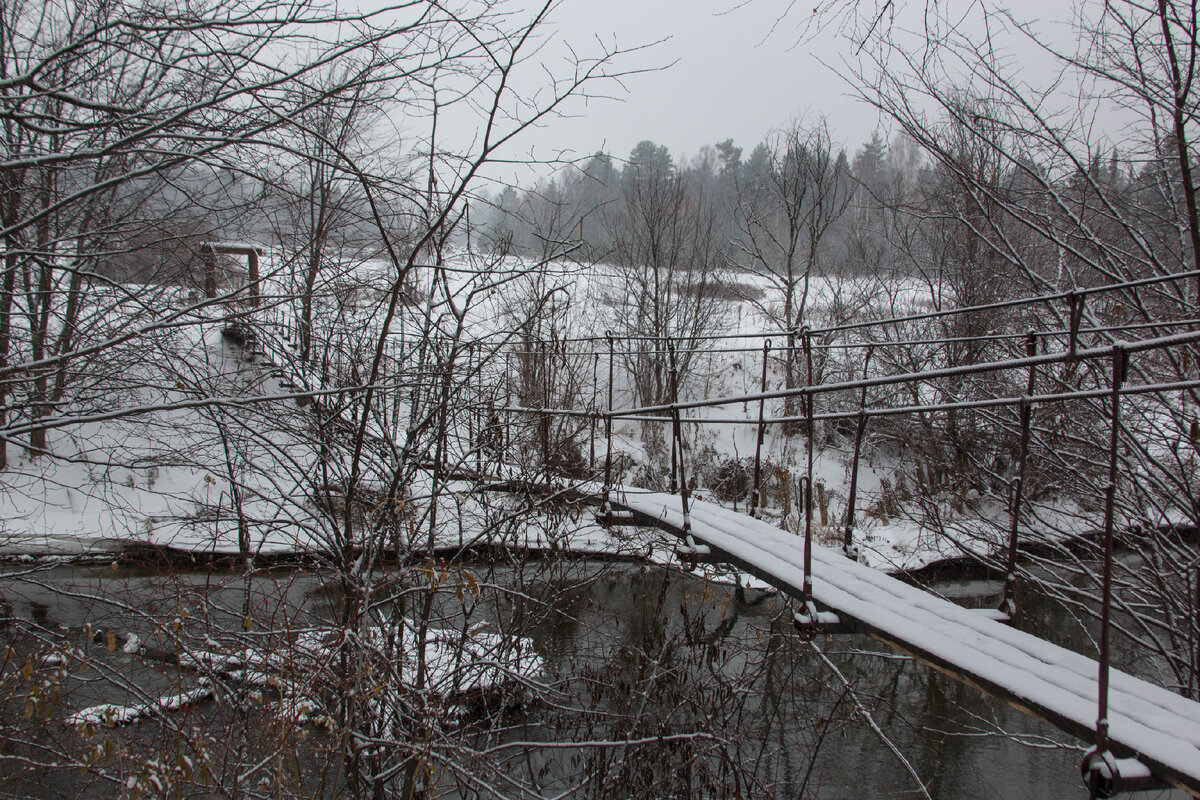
(166, 477)
(162, 476)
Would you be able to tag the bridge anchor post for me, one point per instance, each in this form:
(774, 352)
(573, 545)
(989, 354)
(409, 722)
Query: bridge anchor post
(1105, 775)
(809, 622)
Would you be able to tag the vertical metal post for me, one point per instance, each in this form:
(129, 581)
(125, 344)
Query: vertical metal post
(807, 499)
(592, 437)
(677, 446)
(789, 365)
(477, 405)
(805, 503)
(673, 485)
(1196, 662)
(606, 507)
(756, 492)
(1008, 602)
(848, 548)
(1120, 361)
(543, 416)
(674, 399)
(506, 431)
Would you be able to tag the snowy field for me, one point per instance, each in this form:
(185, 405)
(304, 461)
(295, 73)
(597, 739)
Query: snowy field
(165, 477)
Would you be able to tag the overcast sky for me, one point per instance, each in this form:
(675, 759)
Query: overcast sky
(730, 74)
(723, 76)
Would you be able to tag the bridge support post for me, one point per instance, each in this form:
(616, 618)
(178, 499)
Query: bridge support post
(756, 492)
(673, 486)
(677, 448)
(543, 415)
(1120, 362)
(849, 549)
(1008, 603)
(806, 496)
(208, 256)
(592, 421)
(509, 418)
(606, 503)
(1105, 775)
(210, 251)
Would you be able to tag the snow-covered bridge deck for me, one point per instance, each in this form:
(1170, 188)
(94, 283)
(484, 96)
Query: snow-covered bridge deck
(1158, 727)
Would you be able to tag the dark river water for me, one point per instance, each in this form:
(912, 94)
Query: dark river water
(710, 697)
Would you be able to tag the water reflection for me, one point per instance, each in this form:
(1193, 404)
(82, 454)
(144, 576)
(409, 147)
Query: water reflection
(679, 690)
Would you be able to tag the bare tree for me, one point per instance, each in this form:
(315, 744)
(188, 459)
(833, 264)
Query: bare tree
(669, 274)
(145, 102)
(1045, 201)
(786, 216)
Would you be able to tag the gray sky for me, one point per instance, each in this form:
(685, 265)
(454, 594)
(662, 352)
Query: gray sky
(730, 75)
(727, 77)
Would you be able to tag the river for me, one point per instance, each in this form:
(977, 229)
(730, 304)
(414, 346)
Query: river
(680, 690)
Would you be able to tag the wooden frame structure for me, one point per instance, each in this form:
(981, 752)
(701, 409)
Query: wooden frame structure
(208, 254)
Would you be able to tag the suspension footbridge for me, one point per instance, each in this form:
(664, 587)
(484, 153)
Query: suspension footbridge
(1152, 732)
(1143, 735)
